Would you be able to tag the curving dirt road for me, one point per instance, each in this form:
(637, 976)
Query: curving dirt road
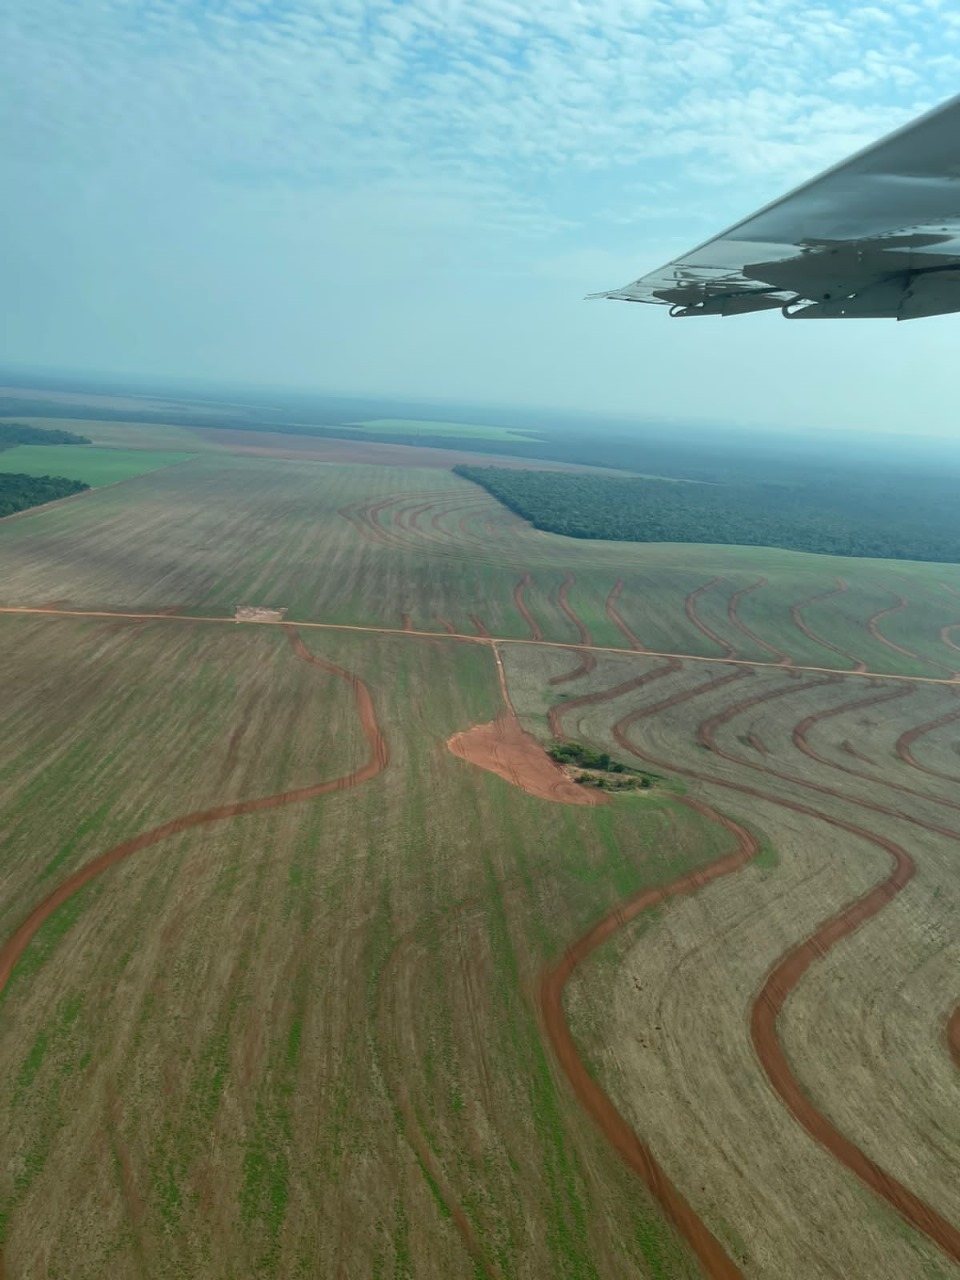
(588, 660)
(791, 969)
(783, 658)
(377, 760)
(520, 602)
(795, 613)
(621, 1136)
(618, 622)
(690, 609)
(906, 741)
(953, 1035)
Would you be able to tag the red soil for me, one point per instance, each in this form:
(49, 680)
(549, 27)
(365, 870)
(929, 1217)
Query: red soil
(447, 626)
(598, 1106)
(812, 635)
(906, 741)
(690, 608)
(953, 1035)
(744, 629)
(874, 630)
(617, 621)
(791, 969)
(16, 944)
(479, 626)
(407, 622)
(520, 602)
(588, 660)
(505, 748)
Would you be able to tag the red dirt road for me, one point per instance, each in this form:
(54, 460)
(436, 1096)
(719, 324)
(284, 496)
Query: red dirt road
(17, 943)
(618, 622)
(588, 660)
(742, 627)
(520, 602)
(789, 972)
(597, 1104)
(795, 613)
(690, 609)
(953, 1035)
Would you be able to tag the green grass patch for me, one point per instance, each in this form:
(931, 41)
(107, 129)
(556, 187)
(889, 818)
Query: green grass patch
(93, 466)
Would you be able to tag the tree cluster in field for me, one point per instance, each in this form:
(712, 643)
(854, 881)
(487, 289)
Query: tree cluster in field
(14, 433)
(876, 514)
(574, 753)
(18, 492)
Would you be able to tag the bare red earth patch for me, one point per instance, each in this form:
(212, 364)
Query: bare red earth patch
(505, 748)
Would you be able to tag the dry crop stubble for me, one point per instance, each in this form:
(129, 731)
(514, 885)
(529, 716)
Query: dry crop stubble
(254, 1027)
(672, 735)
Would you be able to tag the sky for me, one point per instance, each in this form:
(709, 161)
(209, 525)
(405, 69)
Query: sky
(411, 197)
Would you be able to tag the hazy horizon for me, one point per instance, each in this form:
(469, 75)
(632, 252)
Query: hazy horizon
(410, 200)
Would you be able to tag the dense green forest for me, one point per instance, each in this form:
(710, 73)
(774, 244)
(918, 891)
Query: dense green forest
(19, 492)
(14, 433)
(877, 513)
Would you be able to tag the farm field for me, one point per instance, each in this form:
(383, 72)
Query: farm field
(291, 986)
(410, 426)
(92, 465)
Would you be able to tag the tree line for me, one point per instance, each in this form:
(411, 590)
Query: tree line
(18, 492)
(874, 514)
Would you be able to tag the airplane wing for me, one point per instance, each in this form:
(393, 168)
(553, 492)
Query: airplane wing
(875, 236)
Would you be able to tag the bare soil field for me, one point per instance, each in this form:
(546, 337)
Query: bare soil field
(291, 987)
(888, 1124)
(369, 545)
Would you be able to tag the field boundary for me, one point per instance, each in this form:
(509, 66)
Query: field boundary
(118, 615)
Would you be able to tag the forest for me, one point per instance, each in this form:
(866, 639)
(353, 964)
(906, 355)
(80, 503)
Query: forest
(19, 492)
(14, 433)
(875, 514)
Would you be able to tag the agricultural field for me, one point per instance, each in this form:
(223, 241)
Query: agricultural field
(417, 427)
(312, 963)
(94, 466)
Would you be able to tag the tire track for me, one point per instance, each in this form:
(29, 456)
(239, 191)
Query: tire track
(742, 627)
(690, 609)
(789, 971)
(376, 762)
(618, 622)
(798, 621)
(520, 602)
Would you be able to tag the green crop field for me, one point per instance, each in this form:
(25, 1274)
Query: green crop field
(94, 466)
(288, 988)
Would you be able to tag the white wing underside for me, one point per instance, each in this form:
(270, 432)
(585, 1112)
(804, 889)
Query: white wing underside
(875, 236)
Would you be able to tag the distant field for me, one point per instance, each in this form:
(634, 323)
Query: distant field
(126, 435)
(94, 466)
(408, 426)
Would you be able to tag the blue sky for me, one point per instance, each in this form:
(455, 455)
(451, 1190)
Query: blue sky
(413, 197)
